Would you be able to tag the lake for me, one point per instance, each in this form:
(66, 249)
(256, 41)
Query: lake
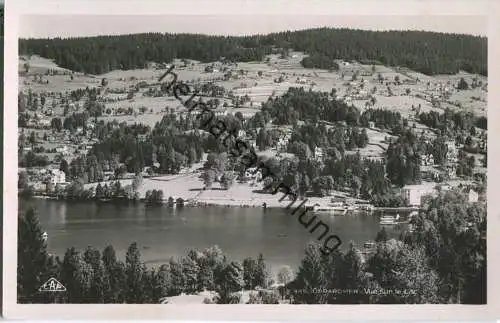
(163, 232)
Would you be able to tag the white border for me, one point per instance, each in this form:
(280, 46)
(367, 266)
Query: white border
(12, 310)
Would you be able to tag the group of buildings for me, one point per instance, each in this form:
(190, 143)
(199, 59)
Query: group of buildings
(45, 179)
(413, 194)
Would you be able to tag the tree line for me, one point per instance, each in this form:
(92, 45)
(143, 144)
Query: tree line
(451, 120)
(426, 52)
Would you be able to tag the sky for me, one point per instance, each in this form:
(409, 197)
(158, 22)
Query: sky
(43, 26)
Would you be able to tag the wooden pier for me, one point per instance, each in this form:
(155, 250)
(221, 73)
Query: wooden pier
(397, 209)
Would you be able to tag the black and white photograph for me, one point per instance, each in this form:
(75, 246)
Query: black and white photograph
(244, 159)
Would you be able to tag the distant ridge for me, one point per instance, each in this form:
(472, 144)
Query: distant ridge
(426, 52)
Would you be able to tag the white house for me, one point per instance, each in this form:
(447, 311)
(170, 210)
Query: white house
(242, 133)
(253, 173)
(452, 153)
(39, 186)
(451, 170)
(57, 176)
(62, 149)
(283, 141)
(412, 194)
(318, 153)
(473, 196)
(44, 122)
(219, 112)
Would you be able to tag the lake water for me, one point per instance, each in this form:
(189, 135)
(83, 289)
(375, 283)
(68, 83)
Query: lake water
(162, 232)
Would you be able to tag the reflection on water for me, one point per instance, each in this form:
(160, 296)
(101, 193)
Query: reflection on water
(162, 232)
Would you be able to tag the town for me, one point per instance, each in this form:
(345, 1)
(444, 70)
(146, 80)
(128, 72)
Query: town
(58, 128)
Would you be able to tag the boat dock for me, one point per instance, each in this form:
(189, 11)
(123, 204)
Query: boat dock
(397, 209)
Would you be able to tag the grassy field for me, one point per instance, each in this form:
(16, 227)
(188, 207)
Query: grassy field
(259, 88)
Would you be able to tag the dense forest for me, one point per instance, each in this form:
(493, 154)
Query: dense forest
(443, 261)
(426, 52)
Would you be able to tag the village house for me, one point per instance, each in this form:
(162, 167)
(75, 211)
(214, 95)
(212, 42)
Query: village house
(242, 134)
(39, 186)
(483, 144)
(44, 123)
(63, 149)
(427, 160)
(90, 124)
(301, 80)
(347, 99)
(473, 196)
(362, 95)
(31, 123)
(219, 112)
(140, 137)
(412, 194)
(253, 173)
(451, 170)
(283, 141)
(432, 174)
(252, 143)
(318, 153)
(374, 158)
(107, 176)
(451, 153)
(57, 176)
(245, 112)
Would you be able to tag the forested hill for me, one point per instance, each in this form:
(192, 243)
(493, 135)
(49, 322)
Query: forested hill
(426, 52)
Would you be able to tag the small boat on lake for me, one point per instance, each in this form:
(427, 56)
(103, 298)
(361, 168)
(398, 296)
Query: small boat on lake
(333, 209)
(389, 219)
(365, 207)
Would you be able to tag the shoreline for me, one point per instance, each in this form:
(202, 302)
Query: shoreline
(214, 203)
(191, 190)
(188, 204)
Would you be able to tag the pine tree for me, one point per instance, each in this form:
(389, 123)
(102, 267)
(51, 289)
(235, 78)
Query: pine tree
(261, 273)
(71, 276)
(190, 270)
(228, 280)
(32, 258)
(115, 272)
(134, 271)
(309, 277)
(178, 278)
(249, 272)
(350, 275)
(100, 282)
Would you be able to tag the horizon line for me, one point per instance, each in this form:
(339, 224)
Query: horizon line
(378, 30)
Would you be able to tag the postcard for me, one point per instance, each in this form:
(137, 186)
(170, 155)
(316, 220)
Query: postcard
(220, 160)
